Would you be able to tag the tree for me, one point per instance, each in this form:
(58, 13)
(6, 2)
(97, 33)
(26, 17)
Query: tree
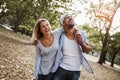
(103, 16)
(114, 47)
(20, 11)
(2, 11)
(93, 37)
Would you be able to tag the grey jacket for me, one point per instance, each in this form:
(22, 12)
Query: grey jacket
(45, 56)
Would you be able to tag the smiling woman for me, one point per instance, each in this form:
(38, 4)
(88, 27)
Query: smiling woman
(46, 49)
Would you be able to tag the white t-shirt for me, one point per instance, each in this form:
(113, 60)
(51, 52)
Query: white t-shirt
(71, 55)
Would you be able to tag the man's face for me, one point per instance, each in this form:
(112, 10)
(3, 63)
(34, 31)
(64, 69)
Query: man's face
(68, 22)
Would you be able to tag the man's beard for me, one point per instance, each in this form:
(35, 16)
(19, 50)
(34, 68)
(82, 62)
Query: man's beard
(71, 26)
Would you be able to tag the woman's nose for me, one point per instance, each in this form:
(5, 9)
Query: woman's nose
(46, 27)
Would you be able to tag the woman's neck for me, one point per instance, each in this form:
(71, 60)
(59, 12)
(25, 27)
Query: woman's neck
(47, 36)
(47, 40)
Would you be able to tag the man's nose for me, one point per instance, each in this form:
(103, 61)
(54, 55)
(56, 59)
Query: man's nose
(71, 18)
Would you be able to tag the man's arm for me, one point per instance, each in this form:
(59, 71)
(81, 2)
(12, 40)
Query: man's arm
(85, 46)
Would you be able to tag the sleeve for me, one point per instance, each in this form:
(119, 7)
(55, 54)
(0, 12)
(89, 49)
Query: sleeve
(37, 62)
(58, 32)
(84, 36)
(33, 37)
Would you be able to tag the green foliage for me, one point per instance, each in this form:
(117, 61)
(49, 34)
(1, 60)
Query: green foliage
(30, 22)
(25, 30)
(22, 12)
(93, 37)
(117, 59)
(114, 47)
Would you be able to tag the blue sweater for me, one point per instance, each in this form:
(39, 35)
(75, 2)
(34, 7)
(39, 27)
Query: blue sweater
(45, 56)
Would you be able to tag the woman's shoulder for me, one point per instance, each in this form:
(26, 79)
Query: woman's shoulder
(38, 43)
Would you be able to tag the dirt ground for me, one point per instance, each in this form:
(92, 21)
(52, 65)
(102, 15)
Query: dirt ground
(17, 60)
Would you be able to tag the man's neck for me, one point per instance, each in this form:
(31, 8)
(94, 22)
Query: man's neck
(70, 33)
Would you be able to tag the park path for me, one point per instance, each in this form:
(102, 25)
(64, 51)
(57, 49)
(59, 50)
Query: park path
(17, 60)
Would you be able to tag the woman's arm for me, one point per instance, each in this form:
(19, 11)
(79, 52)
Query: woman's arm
(33, 39)
(37, 62)
(58, 32)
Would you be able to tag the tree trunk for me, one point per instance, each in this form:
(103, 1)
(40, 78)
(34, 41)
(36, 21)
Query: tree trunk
(113, 58)
(102, 56)
(16, 27)
(104, 47)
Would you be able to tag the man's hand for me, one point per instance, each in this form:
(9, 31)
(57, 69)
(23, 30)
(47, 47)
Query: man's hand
(77, 35)
(78, 38)
(85, 46)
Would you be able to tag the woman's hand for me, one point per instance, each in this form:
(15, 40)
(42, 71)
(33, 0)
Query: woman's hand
(34, 42)
(35, 78)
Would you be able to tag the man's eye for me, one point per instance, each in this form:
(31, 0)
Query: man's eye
(67, 17)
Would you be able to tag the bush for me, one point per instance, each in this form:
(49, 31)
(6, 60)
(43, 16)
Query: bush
(25, 30)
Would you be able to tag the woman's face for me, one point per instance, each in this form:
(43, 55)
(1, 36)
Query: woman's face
(45, 28)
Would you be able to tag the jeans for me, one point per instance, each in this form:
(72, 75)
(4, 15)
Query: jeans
(62, 74)
(45, 77)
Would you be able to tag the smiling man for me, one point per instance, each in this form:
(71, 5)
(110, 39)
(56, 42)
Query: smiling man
(70, 54)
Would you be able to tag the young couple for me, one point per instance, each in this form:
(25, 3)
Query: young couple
(59, 54)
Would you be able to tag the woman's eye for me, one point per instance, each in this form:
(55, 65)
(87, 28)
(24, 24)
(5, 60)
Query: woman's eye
(42, 26)
(46, 24)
